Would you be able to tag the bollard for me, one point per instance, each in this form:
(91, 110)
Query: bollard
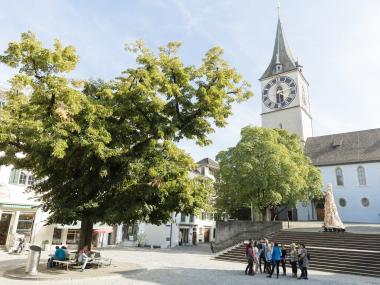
(33, 260)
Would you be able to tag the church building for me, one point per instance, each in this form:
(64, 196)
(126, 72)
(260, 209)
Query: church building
(349, 161)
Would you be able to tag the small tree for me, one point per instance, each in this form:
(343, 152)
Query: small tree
(105, 151)
(265, 169)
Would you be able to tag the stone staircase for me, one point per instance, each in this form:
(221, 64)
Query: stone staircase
(347, 253)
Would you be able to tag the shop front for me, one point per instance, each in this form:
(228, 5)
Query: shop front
(16, 221)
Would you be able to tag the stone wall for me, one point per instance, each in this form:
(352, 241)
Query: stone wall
(229, 233)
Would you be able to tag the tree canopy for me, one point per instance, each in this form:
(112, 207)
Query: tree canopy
(265, 169)
(104, 151)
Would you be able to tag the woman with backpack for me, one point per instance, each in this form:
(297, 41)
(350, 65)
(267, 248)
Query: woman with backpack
(304, 262)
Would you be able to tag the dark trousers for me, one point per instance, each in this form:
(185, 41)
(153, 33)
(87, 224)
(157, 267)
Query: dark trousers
(303, 272)
(249, 267)
(294, 267)
(283, 263)
(263, 259)
(275, 263)
(267, 267)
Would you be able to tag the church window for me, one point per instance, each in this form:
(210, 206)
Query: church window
(339, 176)
(361, 176)
(342, 202)
(22, 178)
(279, 95)
(280, 126)
(365, 202)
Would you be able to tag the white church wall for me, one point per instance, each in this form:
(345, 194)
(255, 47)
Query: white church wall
(353, 193)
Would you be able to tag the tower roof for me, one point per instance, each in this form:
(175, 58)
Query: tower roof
(281, 54)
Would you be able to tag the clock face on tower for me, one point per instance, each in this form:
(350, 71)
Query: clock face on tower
(279, 92)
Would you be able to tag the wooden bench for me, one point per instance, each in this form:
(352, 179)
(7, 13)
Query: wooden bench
(63, 263)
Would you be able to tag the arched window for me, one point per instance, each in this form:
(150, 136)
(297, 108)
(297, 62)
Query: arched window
(279, 95)
(339, 176)
(361, 176)
(22, 178)
(14, 176)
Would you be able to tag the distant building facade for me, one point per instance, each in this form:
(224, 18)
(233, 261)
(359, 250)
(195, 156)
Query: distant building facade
(184, 229)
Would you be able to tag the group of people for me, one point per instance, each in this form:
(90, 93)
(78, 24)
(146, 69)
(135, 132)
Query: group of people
(62, 254)
(265, 256)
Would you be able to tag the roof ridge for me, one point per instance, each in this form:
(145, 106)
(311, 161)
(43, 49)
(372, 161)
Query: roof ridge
(351, 132)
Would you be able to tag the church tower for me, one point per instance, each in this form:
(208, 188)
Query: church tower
(285, 92)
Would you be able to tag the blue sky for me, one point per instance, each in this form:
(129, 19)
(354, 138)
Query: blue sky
(337, 42)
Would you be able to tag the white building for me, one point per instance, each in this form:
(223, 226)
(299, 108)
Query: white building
(20, 214)
(184, 229)
(350, 161)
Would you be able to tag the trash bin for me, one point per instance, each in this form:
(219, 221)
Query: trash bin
(33, 260)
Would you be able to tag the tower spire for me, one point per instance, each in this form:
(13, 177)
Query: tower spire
(278, 8)
(282, 58)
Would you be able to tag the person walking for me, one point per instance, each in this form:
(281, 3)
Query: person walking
(304, 262)
(250, 258)
(261, 247)
(247, 246)
(283, 259)
(256, 257)
(293, 258)
(268, 256)
(276, 258)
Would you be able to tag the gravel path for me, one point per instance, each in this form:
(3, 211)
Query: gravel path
(183, 266)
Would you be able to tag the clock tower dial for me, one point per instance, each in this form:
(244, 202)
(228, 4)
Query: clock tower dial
(279, 92)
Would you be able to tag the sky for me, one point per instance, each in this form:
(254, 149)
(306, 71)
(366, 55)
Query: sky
(336, 41)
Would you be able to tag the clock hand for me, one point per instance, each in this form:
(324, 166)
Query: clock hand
(282, 91)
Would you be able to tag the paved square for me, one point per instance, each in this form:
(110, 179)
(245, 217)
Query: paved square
(179, 266)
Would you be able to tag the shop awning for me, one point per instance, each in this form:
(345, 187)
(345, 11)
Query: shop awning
(103, 231)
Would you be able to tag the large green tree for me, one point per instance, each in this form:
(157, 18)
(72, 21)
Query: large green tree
(104, 151)
(267, 168)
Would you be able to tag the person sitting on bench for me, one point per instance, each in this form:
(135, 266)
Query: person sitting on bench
(59, 254)
(84, 257)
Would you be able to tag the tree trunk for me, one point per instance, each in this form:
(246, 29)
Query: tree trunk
(252, 213)
(86, 230)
